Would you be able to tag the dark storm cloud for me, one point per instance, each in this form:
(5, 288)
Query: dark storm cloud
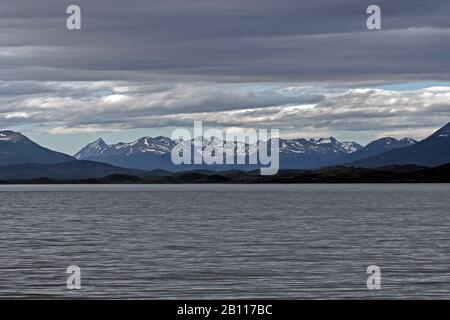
(229, 40)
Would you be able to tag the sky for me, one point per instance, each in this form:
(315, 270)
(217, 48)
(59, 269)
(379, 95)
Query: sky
(308, 68)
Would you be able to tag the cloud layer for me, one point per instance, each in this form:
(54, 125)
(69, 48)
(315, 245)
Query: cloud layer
(233, 41)
(88, 107)
(306, 67)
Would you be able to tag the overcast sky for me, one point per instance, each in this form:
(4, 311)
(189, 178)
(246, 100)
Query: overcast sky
(144, 67)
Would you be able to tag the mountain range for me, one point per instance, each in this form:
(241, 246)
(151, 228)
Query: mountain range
(430, 152)
(149, 153)
(21, 158)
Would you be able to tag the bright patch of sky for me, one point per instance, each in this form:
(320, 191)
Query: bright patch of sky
(414, 85)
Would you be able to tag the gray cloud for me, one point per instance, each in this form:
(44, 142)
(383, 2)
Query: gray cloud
(245, 40)
(290, 64)
(112, 106)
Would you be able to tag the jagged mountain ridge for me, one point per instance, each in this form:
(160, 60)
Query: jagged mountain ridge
(154, 153)
(159, 145)
(163, 145)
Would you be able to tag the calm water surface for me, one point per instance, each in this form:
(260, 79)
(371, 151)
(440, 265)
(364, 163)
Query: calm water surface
(225, 241)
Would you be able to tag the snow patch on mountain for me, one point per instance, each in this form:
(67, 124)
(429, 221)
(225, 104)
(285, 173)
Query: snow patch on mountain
(164, 145)
(95, 148)
(444, 132)
(408, 141)
(350, 146)
(13, 137)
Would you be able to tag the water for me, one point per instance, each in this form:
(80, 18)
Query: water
(225, 241)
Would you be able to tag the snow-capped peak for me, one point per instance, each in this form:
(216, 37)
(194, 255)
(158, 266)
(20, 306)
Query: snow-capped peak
(162, 145)
(390, 143)
(159, 145)
(99, 143)
(350, 146)
(92, 149)
(323, 140)
(408, 141)
(12, 136)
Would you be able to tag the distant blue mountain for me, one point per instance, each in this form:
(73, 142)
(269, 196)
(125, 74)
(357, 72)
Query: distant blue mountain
(430, 152)
(16, 148)
(154, 153)
(374, 148)
(21, 158)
